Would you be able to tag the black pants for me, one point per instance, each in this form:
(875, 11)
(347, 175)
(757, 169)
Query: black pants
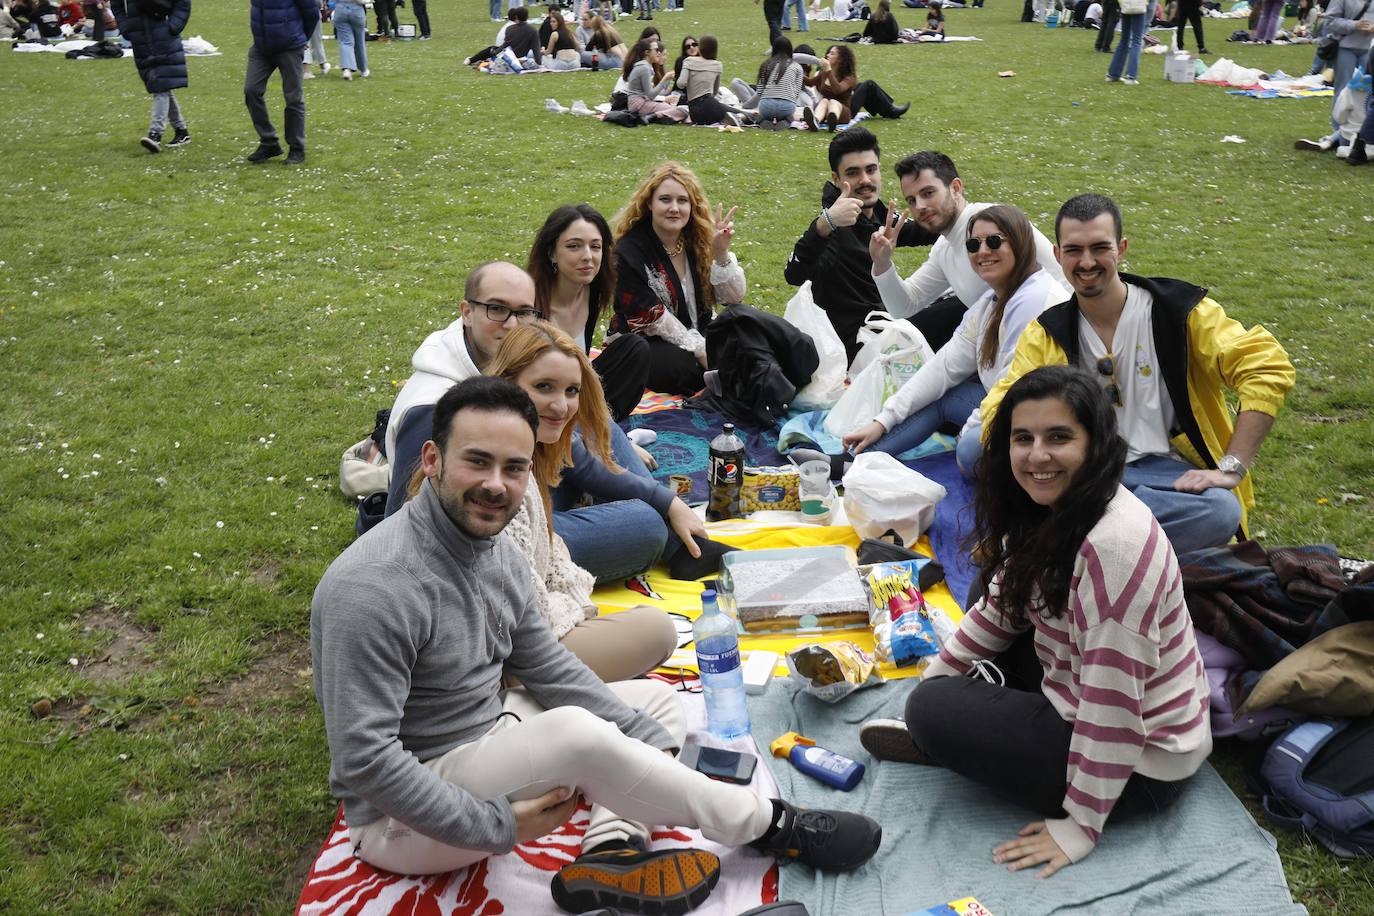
(772, 13)
(1028, 11)
(421, 10)
(386, 17)
(872, 98)
(707, 109)
(1111, 14)
(624, 370)
(1010, 739)
(1190, 11)
(939, 320)
(672, 370)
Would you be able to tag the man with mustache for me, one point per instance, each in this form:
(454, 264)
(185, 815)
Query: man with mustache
(833, 252)
(412, 629)
(1164, 352)
(934, 195)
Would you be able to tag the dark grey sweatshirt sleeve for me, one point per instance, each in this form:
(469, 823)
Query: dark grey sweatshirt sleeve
(410, 438)
(590, 476)
(365, 648)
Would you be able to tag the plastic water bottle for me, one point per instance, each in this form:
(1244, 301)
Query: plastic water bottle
(725, 475)
(722, 680)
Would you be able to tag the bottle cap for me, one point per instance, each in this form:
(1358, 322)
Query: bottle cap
(782, 745)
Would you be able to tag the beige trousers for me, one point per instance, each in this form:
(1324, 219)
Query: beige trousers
(629, 783)
(621, 646)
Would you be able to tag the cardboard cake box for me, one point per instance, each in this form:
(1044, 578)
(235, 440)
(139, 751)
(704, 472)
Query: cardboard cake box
(794, 589)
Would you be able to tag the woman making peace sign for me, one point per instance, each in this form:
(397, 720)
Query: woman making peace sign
(673, 263)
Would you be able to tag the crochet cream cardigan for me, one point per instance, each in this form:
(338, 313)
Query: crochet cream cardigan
(562, 589)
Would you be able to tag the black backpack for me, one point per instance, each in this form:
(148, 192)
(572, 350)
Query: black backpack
(1319, 777)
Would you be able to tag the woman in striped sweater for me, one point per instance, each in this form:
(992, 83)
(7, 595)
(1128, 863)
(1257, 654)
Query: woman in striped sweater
(1083, 589)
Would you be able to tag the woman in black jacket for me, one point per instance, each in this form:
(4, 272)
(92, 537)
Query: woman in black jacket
(882, 25)
(156, 40)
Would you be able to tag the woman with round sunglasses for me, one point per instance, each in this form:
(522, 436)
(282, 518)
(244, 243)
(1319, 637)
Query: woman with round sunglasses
(949, 388)
(645, 81)
(1094, 688)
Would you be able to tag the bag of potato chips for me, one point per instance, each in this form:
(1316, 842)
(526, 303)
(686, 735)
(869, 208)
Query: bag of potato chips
(832, 671)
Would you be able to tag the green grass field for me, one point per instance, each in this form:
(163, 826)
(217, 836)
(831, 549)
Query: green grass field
(188, 343)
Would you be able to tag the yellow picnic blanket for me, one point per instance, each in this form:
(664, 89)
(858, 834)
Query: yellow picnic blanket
(683, 599)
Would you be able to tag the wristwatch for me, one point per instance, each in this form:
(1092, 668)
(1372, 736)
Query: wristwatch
(1232, 465)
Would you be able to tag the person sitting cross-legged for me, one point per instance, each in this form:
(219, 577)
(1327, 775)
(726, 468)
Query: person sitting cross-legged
(1104, 709)
(412, 629)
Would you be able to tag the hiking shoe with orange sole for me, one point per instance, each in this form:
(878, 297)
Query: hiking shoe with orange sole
(666, 882)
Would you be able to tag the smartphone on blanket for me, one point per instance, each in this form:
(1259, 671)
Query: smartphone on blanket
(719, 763)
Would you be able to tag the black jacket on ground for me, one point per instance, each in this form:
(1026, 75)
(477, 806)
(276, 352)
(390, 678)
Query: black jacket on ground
(762, 359)
(840, 270)
(157, 42)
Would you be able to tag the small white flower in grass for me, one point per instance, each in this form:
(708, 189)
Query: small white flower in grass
(314, 527)
(176, 445)
(168, 568)
(123, 757)
(74, 661)
(219, 524)
(38, 636)
(273, 514)
(196, 554)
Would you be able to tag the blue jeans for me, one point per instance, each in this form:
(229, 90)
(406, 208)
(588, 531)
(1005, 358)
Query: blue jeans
(1190, 520)
(801, 15)
(955, 407)
(495, 10)
(612, 540)
(1127, 53)
(776, 110)
(350, 27)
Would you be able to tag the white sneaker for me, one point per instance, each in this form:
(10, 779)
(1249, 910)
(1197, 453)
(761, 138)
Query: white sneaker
(326, 67)
(307, 75)
(552, 105)
(347, 74)
(1344, 151)
(366, 74)
(1127, 81)
(579, 107)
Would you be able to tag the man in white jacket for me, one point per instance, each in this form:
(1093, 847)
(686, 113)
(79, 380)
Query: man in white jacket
(935, 199)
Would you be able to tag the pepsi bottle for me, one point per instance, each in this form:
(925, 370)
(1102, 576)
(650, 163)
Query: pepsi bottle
(725, 475)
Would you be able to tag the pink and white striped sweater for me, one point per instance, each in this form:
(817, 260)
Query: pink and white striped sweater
(1122, 665)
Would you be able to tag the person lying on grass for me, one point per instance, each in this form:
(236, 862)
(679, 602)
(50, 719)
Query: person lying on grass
(412, 630)
(1104, 710)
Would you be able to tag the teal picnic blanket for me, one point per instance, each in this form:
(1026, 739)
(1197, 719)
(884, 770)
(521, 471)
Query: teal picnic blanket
(1204, 855)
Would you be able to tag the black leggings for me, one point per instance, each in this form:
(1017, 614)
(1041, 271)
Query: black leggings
(1190, 11)
(421, 10)
(707, 109)
(623, 366)
(1010, 739)
(872, 98)
(1111, 13)
(672, 370)
(386, 17)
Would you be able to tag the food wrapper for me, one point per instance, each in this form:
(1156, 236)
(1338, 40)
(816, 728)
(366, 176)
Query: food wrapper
(903, 631)
(770, 488)
(833, 670)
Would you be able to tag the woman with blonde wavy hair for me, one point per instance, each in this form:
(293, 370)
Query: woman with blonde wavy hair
(673, 263)
(548, 365)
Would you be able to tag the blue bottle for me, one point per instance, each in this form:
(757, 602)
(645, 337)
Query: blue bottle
(722, 680)
(827, 766)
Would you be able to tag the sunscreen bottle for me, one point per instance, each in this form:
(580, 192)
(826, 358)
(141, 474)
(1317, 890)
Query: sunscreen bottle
(827, 766)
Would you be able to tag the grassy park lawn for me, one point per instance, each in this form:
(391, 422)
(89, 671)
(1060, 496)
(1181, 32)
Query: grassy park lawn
(188, 343)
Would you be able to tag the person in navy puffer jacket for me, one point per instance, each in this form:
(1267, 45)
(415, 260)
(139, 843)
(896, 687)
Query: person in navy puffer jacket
(281, 29)
(161, 61)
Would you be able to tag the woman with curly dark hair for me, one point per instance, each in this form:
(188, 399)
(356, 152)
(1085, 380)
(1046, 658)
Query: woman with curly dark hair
(835, 82)
(574, 279)
(1103, 704)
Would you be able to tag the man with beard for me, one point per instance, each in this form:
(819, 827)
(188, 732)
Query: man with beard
(412, 630)
(935, 200)
(1164, 352)
(833, 252)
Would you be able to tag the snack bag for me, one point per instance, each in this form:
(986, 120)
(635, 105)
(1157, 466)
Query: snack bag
(770, 488)
(834, 670)
(901, 621)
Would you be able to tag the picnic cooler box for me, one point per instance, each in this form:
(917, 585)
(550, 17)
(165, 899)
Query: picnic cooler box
(794, 589)
(1179, 67)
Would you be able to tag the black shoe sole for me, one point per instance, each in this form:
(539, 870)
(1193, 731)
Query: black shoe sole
(256, 158)
(151, 145)
(639, 886)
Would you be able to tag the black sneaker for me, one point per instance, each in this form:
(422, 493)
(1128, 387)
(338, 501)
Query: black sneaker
(295, 157)
(825, 840)
(264, 152)
(180, 138)
(1358, 154)
(669, 881)
(888, 739)
(153, 142)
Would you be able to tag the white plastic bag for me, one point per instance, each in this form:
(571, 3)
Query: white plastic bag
(861, 401)
(827, 382)
(882, 334)
(881, 493)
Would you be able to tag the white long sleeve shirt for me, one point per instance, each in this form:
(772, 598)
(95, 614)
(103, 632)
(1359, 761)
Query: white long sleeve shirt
(947, 267)
(958, 359)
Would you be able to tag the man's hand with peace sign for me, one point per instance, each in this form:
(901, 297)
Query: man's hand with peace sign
(882, 242)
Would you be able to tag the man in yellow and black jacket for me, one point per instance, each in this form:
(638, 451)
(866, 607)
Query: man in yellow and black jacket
(1164, 352)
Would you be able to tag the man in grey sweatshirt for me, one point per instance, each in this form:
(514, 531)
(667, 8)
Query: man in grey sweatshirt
(411, 630)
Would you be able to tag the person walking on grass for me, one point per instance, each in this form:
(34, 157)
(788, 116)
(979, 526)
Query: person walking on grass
(281, 29)
(161, 61)
(350, 26)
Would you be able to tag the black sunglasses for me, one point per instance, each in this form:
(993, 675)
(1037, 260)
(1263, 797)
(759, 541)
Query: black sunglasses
(1106, 367)
(691, 44)
(971, 244)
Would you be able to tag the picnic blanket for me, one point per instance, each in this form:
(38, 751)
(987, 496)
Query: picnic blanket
(517, 884)
(1206, 854)
(684, 441)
